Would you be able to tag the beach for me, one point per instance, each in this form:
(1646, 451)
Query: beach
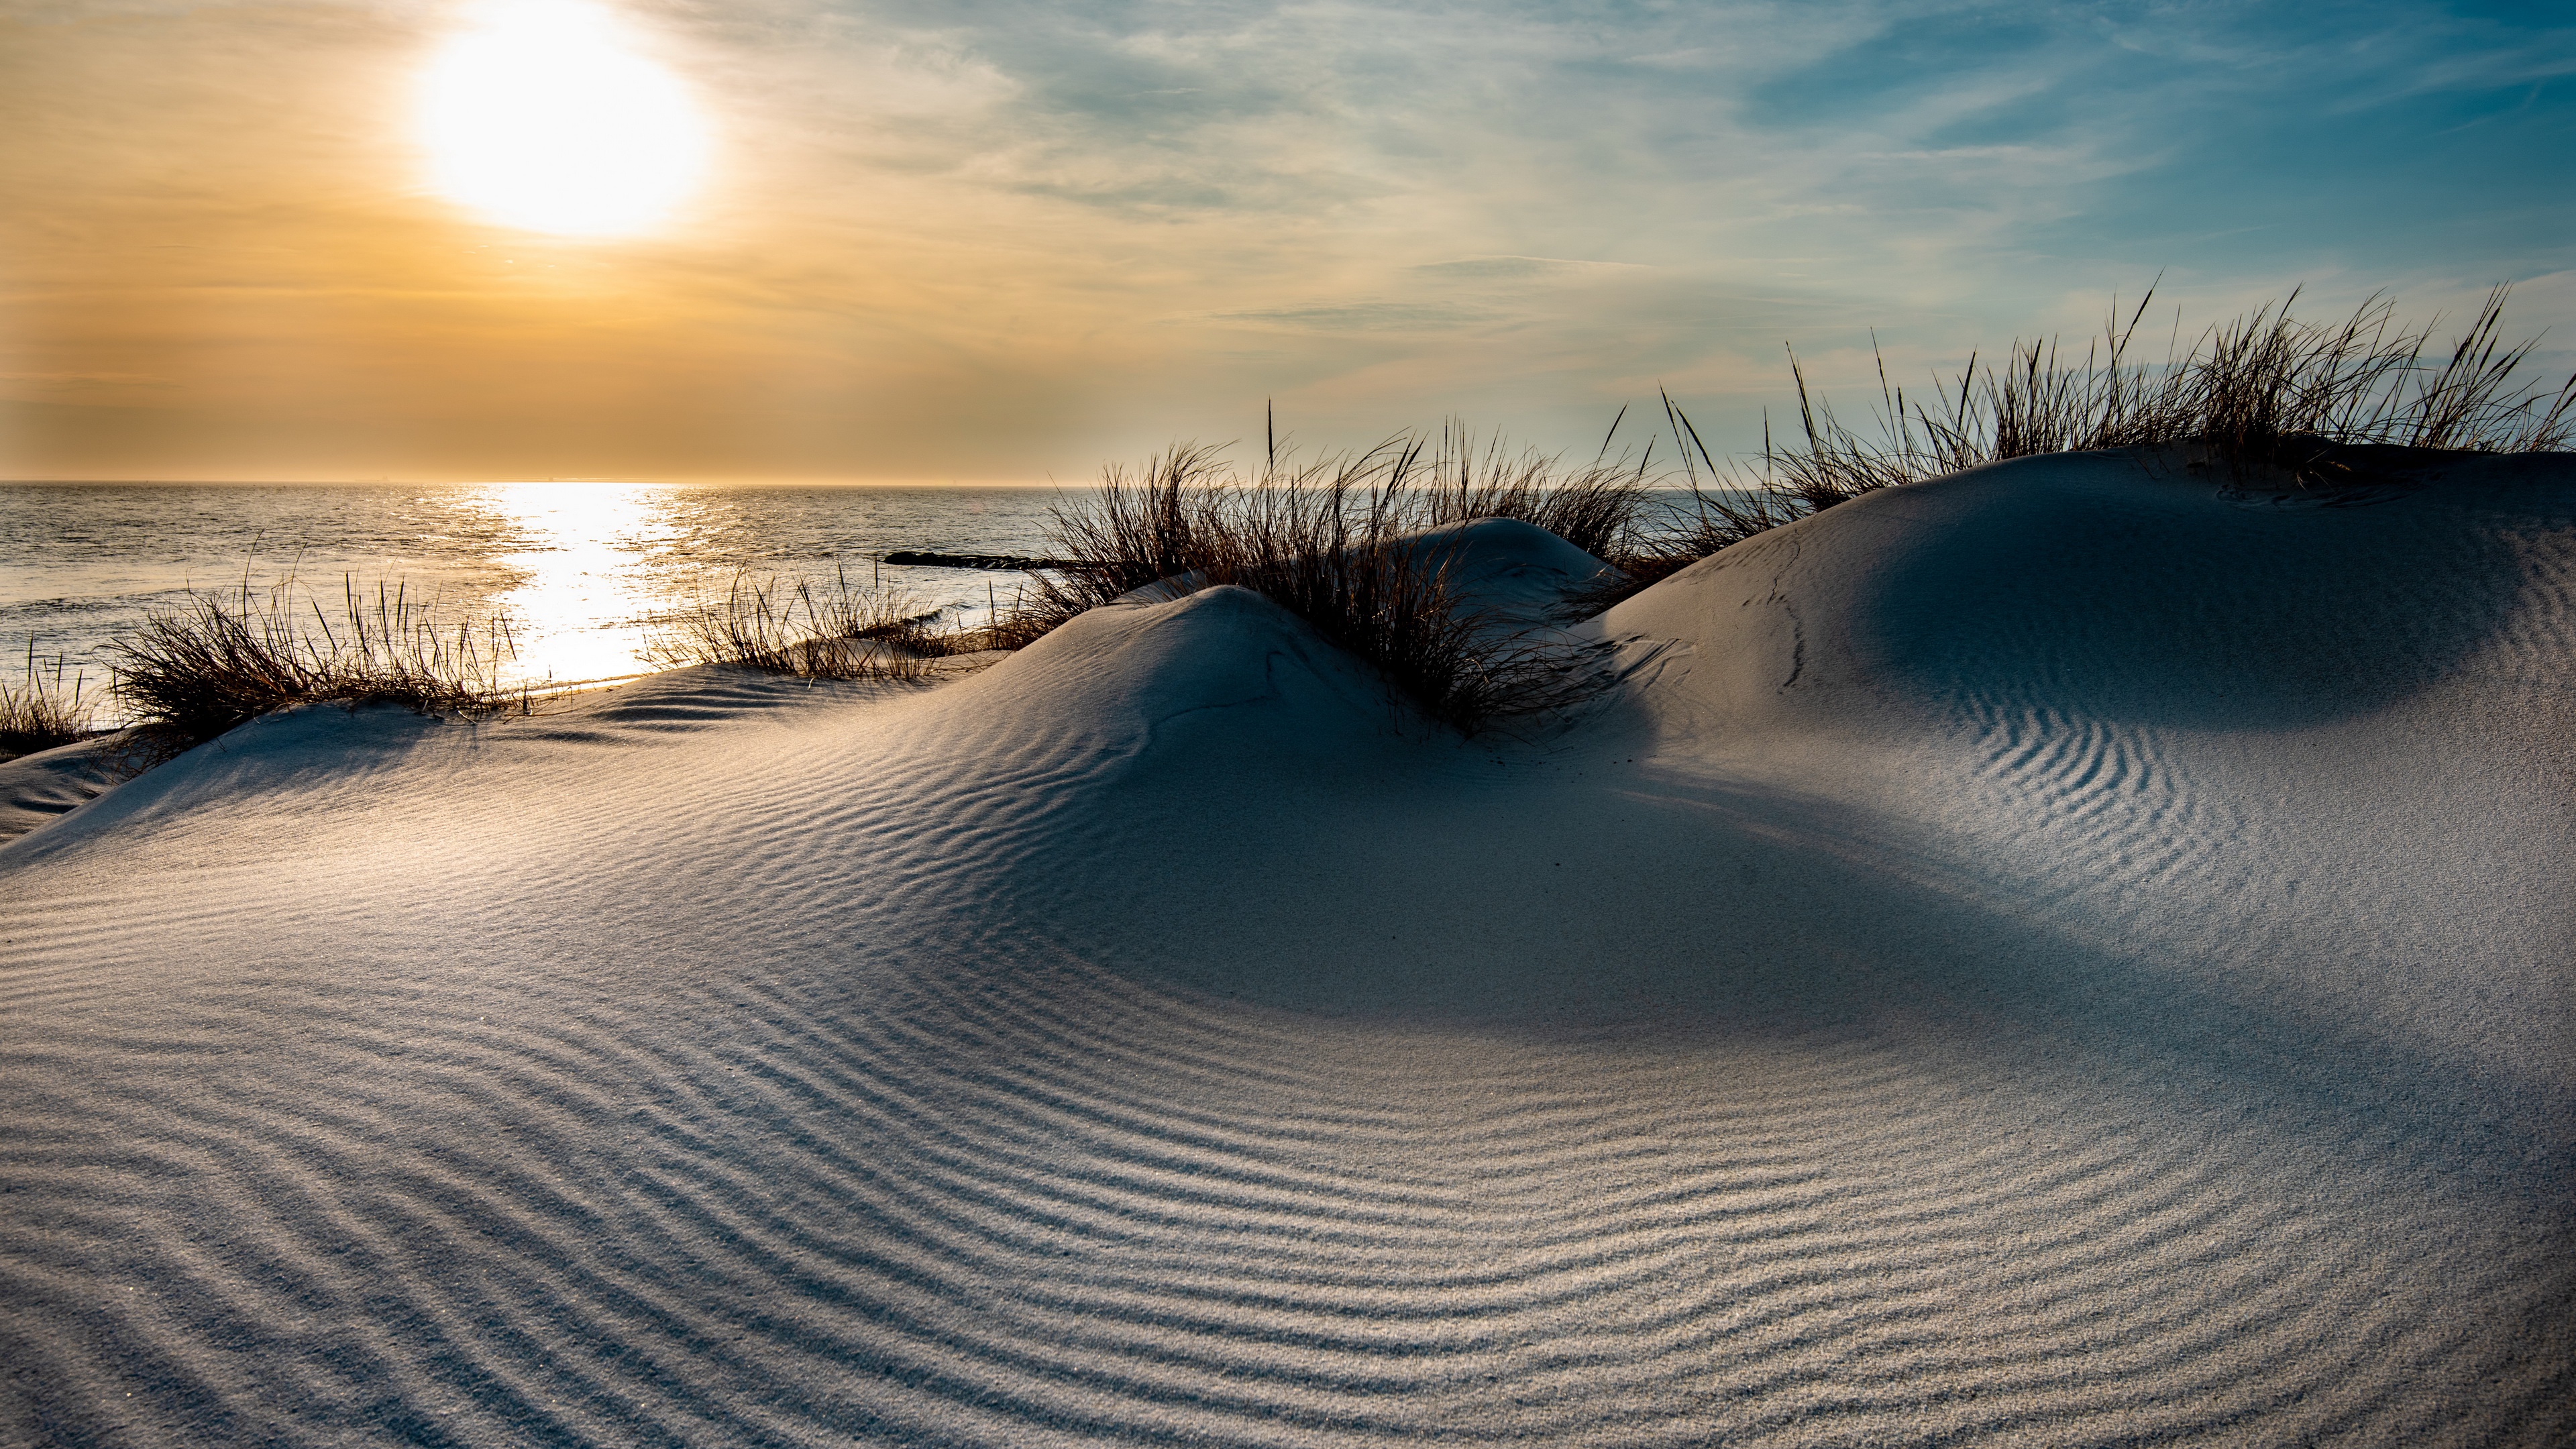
(2077, 952)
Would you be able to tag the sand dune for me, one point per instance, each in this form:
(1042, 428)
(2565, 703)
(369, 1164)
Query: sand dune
(2058, 955)
(35, 788)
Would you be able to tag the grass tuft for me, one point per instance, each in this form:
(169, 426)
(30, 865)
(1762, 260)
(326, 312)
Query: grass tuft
(2267, 391)
(1445, 478)
(1724, 510)
(1337, 542)
(42, 712)
(2266, 395)
(829, 631)
(218, 661)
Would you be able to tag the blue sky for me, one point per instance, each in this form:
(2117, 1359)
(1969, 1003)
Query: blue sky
(1013, 240)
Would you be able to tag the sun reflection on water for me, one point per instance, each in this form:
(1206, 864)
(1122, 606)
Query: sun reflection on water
(582, 607)
(583, 570)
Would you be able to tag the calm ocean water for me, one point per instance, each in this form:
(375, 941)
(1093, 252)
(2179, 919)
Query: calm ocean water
(581, 569)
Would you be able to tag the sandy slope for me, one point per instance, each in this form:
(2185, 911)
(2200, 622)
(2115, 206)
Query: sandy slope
(2057, 955)
(37, 787)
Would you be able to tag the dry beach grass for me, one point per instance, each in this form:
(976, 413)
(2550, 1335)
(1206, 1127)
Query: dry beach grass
(41, 711)
(809, 630)
(220, 660)
(2272, 399)
(1355, 546)
(2266, 391)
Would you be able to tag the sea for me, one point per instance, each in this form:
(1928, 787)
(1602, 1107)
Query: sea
(586, 573)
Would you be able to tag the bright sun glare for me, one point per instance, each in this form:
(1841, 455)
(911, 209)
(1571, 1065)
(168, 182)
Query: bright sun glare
(541, 117)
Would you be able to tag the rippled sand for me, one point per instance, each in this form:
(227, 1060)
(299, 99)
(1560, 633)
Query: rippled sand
(2059, 955)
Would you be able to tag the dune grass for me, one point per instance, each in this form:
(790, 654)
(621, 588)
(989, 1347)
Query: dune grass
(220, 660)
(1725, 509)
(1339, 542)
(2268, 397)
(837, 630)
(41, 711)
(1446, 477)
(2267, 393)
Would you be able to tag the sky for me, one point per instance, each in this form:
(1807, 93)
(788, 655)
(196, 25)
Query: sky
(997, 241)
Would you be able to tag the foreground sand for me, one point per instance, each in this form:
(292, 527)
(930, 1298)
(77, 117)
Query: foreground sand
(2059, 955)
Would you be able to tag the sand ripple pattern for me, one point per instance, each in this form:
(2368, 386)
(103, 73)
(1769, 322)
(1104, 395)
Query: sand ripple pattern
(2115, 801)
(724, 1108)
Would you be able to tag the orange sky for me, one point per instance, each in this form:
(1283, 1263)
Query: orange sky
(996, 242)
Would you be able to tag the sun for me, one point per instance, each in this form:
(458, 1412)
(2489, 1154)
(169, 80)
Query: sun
(543, 118)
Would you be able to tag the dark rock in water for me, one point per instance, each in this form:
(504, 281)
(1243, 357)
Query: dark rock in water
(1002, 563)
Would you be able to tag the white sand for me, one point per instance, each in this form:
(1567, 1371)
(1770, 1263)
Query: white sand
(36, 788)
(2050, 956)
